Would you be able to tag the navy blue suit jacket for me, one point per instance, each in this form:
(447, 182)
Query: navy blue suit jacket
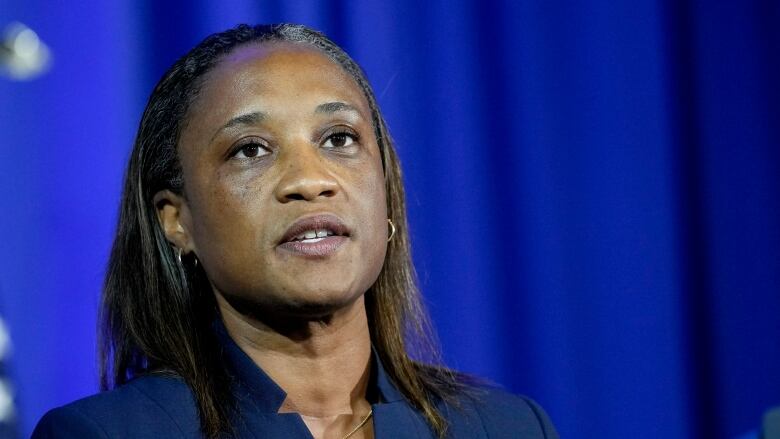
(157, 406)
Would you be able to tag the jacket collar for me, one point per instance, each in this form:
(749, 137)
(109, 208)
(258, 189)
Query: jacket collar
(254, 387)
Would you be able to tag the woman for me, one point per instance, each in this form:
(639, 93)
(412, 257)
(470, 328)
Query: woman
(260, 283)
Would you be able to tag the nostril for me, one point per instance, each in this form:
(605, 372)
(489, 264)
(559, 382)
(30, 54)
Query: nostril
(295, 196)
(327, 193)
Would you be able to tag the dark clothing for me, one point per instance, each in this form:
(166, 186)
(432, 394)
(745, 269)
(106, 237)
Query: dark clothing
(157, 406)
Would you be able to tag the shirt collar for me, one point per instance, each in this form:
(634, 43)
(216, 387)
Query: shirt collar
(253, 386)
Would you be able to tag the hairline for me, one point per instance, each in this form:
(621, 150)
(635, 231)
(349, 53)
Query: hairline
(194, 91)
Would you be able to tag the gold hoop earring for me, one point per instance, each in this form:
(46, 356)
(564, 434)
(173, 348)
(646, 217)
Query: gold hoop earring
(392, 229)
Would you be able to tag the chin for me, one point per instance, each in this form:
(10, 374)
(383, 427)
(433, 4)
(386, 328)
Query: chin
(314, 309)
(293, 307)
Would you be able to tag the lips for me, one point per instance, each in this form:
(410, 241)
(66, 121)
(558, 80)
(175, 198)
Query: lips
(318, 235)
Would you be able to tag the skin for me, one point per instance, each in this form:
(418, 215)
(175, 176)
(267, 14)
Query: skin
(301, 319)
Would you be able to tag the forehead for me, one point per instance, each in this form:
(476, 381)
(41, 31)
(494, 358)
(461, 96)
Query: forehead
(277, 74)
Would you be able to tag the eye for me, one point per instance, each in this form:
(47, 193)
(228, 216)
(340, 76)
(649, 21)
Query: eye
(250, 150)
(339, 140)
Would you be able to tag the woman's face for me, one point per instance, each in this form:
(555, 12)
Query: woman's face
(284, 189)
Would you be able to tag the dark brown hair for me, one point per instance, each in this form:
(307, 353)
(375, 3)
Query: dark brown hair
(156, 313)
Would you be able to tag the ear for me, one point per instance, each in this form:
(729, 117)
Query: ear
(175, 220)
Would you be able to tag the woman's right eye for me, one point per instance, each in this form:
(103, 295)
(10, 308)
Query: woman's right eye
(250, 150)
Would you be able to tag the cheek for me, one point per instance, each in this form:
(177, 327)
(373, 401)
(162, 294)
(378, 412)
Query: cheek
(378, 206)
(375, 214)
(228, 226)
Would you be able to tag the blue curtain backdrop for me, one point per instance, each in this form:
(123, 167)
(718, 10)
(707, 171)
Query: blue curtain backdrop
(594, 191)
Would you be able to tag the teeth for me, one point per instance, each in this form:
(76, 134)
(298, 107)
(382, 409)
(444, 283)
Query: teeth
(312, 234)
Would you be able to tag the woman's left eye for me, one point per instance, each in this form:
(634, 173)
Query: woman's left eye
(339, 140)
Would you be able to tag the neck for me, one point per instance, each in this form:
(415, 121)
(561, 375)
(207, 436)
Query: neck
(323, 365)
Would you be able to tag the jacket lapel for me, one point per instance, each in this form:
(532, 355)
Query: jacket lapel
(259, 398)
(397, 420)
(271, 425)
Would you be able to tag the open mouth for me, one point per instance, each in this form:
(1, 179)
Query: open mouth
(318, 235)
(312, 236)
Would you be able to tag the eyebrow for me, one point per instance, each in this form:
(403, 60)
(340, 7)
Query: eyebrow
(244, 119)
(335, 107)
(256, 117)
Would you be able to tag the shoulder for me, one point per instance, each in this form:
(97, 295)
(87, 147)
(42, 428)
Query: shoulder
(494, 413)
(150, 406)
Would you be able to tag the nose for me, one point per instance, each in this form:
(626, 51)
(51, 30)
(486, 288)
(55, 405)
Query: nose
(305, 177)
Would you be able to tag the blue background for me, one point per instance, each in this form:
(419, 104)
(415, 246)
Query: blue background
(594, 191)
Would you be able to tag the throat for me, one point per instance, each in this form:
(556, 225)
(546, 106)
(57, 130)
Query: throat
(335, 415)
(352, 426)
(324, 370)
(329, 396)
